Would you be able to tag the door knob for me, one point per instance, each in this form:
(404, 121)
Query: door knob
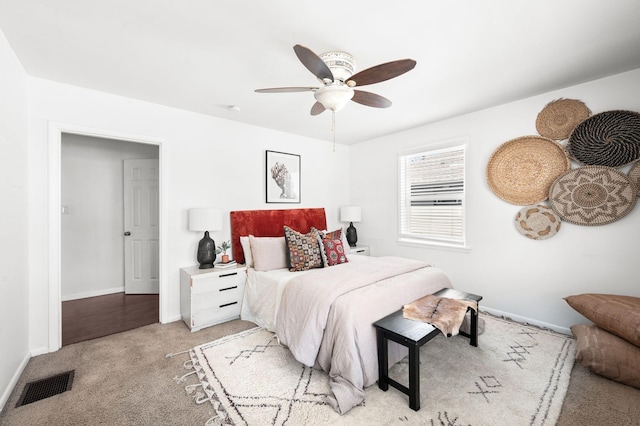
(126, 234)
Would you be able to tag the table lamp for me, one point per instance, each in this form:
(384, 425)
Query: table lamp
(351, 214)
(205, 220)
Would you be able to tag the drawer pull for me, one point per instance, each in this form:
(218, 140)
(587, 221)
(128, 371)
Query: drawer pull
(228, 288)
(230, 274)
(228, 304)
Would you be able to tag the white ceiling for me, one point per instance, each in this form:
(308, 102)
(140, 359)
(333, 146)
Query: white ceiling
(205, 55)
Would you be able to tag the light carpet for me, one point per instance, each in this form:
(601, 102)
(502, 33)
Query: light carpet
(518, 375)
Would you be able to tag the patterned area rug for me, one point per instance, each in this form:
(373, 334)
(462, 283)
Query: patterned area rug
(518, 375)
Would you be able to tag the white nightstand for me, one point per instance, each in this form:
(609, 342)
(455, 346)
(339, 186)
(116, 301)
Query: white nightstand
(211, 296)
(361, 250)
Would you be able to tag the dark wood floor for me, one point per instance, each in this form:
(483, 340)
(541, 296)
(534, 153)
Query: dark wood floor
(85, 319)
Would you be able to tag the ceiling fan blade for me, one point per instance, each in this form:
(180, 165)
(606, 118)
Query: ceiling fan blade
(317, 108)
(313, 62)
(286, 89)
(370, 99)
(381, 72)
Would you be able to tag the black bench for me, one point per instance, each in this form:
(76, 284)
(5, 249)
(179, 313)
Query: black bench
(414, 334)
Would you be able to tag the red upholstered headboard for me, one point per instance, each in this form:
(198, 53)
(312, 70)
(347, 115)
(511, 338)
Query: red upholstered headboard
(270, 223)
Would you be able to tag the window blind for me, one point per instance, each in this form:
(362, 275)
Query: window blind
(432, 195)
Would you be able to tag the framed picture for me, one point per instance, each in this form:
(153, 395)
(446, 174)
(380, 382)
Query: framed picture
(282, 177)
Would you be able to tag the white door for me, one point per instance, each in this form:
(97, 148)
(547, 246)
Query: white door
(141, 251)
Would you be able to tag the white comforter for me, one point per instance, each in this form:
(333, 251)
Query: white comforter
(325, 318)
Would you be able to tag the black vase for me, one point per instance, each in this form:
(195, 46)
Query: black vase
(206, 251)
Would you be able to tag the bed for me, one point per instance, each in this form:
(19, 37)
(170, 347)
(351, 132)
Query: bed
(325, 315)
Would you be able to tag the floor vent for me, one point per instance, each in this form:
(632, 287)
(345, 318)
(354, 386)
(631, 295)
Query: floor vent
(44, 388)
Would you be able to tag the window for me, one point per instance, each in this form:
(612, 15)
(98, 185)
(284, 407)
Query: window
(432, 200)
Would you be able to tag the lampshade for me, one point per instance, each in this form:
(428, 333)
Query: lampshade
(350, 214)
(205, 219)
(334, 97)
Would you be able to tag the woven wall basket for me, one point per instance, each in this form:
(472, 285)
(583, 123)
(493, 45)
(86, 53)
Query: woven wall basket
(520, 171)
(610, 138)
(634, 175)
(537, 222)
(558, 118)
(593, 195)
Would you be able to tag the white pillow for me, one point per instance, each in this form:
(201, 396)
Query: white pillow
(246, 249)
(268, 253)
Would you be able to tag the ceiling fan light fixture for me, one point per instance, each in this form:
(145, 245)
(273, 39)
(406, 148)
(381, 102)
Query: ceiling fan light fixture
(335, 71)
(334, 97)
(341, 64)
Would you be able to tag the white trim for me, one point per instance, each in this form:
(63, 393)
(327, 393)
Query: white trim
(525, 320)
(39, 351)
(172, 319)
(429, 244)
(13, 382)
(93, 293)
(436, 145)
(55, 243)
(55, 145)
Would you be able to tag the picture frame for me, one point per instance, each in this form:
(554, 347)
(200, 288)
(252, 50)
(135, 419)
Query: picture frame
(282, 177)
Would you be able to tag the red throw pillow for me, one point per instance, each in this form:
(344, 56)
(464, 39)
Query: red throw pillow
(335, 252)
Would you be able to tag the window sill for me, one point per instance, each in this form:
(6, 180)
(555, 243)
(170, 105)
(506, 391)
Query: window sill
(433, 245)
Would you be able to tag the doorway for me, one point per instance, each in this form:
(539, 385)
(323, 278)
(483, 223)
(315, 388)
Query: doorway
(93, 262)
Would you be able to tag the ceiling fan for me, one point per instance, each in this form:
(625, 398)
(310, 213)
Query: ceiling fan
(335, 71)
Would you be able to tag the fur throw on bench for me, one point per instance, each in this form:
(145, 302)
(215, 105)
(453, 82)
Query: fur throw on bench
(441, 312)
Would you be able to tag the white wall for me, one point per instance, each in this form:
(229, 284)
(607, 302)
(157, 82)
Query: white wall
(14, 228)
(93, 194)
(524, 278)
(205, 161)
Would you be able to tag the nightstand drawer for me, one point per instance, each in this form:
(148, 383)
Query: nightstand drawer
(224, 296)
(221, 282)
(216, 314)
(361, 250)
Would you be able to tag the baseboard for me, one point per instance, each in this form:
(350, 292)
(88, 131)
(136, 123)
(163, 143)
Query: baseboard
(94, 293)
(172, 319)
(40, 351)
(14, 381)
(525, 320)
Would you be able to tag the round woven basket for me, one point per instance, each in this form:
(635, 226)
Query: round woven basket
(537, 222)
(558, 118)
(610, 138)
(634, 175)
(593, 195)
(520, 171)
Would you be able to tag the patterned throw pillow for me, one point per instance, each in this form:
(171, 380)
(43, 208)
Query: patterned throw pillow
(303, 250)
(333, 235)
(324, 235)
(335, 252)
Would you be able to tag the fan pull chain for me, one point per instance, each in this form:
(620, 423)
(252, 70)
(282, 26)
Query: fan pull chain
(333, 129)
